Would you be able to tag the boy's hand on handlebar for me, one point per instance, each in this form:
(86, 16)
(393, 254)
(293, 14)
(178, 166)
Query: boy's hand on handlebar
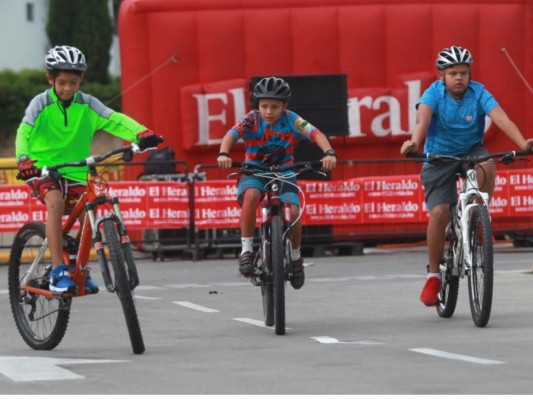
(528, 145)
(148, 139)
(27, 169)
(328, 163)
(224, 161)
(409, 147)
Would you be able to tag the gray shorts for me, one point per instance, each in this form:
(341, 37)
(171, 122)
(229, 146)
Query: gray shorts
(439, 181)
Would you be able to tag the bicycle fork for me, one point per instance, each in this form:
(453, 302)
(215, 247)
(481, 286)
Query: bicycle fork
(466, 207)
(124, 241)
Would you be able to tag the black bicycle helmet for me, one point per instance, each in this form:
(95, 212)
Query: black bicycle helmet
(452, 56)
(272, 88)
(65, 58)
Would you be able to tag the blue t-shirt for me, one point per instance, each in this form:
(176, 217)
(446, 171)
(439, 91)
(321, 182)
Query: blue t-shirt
(456, 126)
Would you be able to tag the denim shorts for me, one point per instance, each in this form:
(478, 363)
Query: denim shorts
(289, 193)
(439, 181)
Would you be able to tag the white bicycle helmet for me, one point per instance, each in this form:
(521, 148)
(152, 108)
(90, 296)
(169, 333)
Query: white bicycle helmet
(65, 58)
(452, 56)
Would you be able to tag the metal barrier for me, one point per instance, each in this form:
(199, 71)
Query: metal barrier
(199, 243)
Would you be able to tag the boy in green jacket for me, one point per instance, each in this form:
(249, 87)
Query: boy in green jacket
(59, 126)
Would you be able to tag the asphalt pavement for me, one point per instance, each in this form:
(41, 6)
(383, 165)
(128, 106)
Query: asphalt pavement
(356, 327)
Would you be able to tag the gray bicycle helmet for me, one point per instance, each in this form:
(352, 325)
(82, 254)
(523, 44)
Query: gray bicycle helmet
(452, 56)
(272, 88)
(65, 58)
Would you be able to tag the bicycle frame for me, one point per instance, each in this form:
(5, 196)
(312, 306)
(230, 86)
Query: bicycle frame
(95, 195)
(469, 191)
(271, 206)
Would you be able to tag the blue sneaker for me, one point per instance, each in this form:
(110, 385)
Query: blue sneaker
(91, 287)
(60, 281)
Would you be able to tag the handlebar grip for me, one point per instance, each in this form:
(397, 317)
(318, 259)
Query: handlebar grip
(416, 155)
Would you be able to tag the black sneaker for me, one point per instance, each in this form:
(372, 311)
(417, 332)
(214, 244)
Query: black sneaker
(298, 276)
(246, 263)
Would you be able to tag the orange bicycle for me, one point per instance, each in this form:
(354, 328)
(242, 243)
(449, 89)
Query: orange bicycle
(42, 316)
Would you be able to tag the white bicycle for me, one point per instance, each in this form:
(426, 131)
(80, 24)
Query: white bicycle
(468, 249)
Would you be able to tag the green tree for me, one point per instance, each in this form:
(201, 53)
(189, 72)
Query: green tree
(87, 26)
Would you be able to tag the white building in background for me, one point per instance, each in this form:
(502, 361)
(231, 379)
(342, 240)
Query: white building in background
(23, 39)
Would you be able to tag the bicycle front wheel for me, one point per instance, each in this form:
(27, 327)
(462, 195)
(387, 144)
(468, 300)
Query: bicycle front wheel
(122, 287)
(41, 319)
(449, 283)
(278, 273)
(481, 274)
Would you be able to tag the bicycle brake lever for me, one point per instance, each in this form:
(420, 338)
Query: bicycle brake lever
(508, 158)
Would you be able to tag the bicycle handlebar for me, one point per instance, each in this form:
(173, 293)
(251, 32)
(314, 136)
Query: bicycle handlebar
(504, 157)
(127, 151)
(298, 167)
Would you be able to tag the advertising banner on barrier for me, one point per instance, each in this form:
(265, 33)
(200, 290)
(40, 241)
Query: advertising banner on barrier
(143, 204)
(391, 199)
(332, 202)
(365, 201)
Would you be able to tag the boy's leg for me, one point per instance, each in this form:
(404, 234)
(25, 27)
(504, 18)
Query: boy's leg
(55, 206)
(251, 199)
(60, 281)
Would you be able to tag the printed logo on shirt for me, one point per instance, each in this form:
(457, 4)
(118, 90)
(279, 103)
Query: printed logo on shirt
(301, 124)
(469, 118)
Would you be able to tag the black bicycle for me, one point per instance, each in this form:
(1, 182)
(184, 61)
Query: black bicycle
(468, 249)
(273, 265)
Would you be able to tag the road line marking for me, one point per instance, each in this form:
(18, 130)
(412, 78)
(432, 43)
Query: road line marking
(453, 356)
(256, 323)
(187, 286)
(330, 340)
(195, 306)
(148, 287)
(325, 339)
(147, 298)
(30, 369)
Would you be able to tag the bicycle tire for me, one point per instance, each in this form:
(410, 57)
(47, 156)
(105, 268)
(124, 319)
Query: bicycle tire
(481, 274)
(268, 302)
(122, 287)
(133, 277)
(41, 321)
(278, 273)
(449, 290)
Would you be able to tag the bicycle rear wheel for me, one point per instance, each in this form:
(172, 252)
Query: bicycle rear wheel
(278, 273)
(481, 274)
(41, 320)
(449, 284)
(122, 287)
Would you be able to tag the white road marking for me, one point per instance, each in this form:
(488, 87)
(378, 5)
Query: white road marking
(325, 340)
(188, 285)
(330, 340)
(256, 322)
(28, 369)
(147, 297)
(148, 287)
(453, 356)
(195, 306)
(4, 292)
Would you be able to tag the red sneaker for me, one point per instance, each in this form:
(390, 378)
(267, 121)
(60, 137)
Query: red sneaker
(429, 295)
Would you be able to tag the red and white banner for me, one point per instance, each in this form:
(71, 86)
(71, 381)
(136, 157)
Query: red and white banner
(361, 201)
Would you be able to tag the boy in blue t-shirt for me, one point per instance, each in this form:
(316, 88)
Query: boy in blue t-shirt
(270, 134)
(451, 112)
